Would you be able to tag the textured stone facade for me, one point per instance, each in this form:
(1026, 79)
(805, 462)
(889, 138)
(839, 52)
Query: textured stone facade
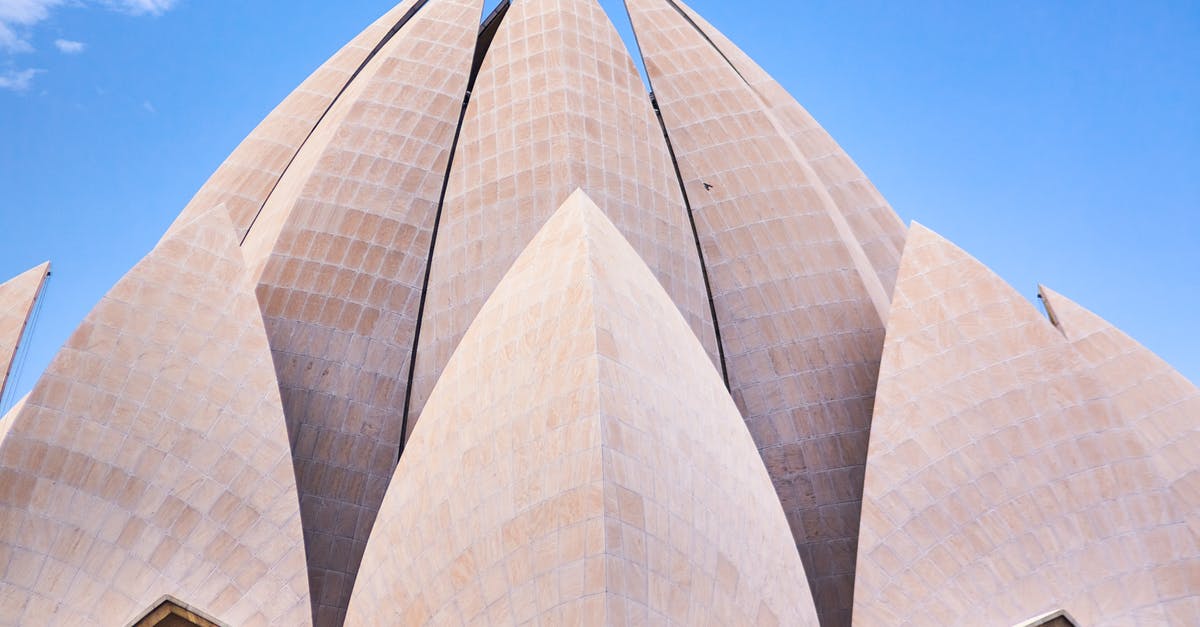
(603, 474)
(801, 329)
(1004, 478)
(152, 458)
(339, 253)
(1159, 402)
(535, 131)
(661, 358)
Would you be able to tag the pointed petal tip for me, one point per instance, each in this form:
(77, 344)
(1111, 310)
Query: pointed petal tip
(918, 229)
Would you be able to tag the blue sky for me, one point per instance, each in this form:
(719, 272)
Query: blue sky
(1058, 142)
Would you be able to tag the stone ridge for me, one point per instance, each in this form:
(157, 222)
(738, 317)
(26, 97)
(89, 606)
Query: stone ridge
(570, 112)
(802, 331)
(599, 472)
(152, 458)
(17, 298)
(340, 252)
(683, 483)
(1002, 482)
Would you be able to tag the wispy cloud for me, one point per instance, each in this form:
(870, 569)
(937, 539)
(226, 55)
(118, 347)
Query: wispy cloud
(149, 107)
(139, 7)
(17, 80)
(18, 19)
(66, 46)
(10, 41)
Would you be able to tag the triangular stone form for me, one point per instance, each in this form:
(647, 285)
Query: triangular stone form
(340, 252)
(580, 462)
(17, 298)
(541, 124)
(1001, 483)
(1158, 401)
(801, 327)
(249, 175)
(151, 458)
(874, 224)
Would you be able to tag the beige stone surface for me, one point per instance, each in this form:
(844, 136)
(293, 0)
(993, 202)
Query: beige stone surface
(17, 298)
(6, 421)
(1159, 402)
(1002, 483)
(558, 105)
(580, 462)
(222, 430)
(874, 225)
(151, 458)
(247, 177)
(802, 332)
(340, 252)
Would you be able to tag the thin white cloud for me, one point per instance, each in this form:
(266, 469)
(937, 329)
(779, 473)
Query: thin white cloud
(139, 7)
(10, 41)
(149, 107)
(17, 80)
(66, 46)
(18, 17)
(26, 12)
